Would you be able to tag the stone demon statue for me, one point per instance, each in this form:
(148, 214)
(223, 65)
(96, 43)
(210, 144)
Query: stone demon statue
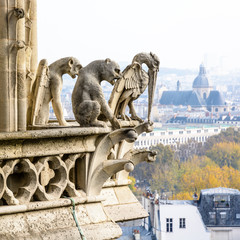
(132, 84)
(88, 101)
(48, 87)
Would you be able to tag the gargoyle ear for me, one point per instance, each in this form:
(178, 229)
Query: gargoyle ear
(79, 66)
(70, 62)
(107, 60)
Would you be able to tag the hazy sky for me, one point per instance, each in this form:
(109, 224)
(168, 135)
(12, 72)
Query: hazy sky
(183, 33)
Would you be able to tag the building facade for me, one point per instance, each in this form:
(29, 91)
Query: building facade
(173, 220)
(202, 95)
(215, 216)
(178, 135)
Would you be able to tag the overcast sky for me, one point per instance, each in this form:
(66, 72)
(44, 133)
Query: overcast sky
(183, 33)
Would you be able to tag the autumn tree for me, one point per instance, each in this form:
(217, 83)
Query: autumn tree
(225, 154)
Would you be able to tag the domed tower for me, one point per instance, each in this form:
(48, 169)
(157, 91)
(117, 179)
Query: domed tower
(201, 83)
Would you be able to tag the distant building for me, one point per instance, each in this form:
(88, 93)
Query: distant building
(220, 211)
(175, 220)
(215, 216)
(178, 135)
(202, 95)
(186, 120)
(224, 119)
(228, 119)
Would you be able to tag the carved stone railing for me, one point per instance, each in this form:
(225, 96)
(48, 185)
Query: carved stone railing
(44, 165)
(43, 171)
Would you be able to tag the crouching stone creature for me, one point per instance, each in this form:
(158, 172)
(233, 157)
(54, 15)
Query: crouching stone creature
(48, 87)
(88, 99)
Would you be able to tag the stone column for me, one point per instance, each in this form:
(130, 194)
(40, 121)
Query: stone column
(9, 46)
(4, 72)
(21, 73)
(33, 43)
(31, 53)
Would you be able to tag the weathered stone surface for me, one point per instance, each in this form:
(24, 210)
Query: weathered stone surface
(96, 213)
(124, 195)
(58, 223)
(121, 204)
(125, 212)
(108, 230)
(110, 197)
(47, 142)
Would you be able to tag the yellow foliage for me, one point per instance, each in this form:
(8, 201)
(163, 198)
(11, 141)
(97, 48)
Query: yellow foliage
(207, 177)
(132, 185)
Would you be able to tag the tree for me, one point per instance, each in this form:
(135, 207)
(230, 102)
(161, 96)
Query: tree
(225, 153)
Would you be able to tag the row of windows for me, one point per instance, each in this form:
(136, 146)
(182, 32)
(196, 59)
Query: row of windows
(181, 132)
(229, 122)
(169, 224)
(151, 142)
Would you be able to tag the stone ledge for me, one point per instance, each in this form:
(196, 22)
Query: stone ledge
(43, 205)
(58, 223)
(126, 212)
(54, 133)
(121, 204)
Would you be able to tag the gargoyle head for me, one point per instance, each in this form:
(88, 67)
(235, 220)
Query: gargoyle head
(111, 71)
(74, 67)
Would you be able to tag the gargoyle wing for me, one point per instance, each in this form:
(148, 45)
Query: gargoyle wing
(40, 84)
(129, 81)
(133, 79)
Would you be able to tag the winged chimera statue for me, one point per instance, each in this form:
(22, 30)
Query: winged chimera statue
(133, 83)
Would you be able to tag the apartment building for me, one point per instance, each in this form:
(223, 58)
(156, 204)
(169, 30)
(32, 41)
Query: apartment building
(178, 135)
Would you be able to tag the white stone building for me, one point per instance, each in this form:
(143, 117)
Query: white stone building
(175, 220)
(215, 216)
(178, 135)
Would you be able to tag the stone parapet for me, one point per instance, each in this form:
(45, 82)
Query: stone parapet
(42, 172)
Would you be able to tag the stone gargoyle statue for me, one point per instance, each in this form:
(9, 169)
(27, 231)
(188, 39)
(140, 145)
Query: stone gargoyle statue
(88, 100)
(132, 84)
(48, 86)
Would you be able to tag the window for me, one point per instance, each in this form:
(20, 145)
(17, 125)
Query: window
(151, 134)
(205, 130)
(198, 131)
(180, 132)
(169, 225)
(188, 132)
(205, 96)
(143, 134)
(237, 215)
(170, 133)
(182, 223)
(222, 201)
(162, 133)
(223, 215)
(212, 215)
(215, 130)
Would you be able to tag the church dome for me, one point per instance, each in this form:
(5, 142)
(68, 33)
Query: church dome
(201, 81)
